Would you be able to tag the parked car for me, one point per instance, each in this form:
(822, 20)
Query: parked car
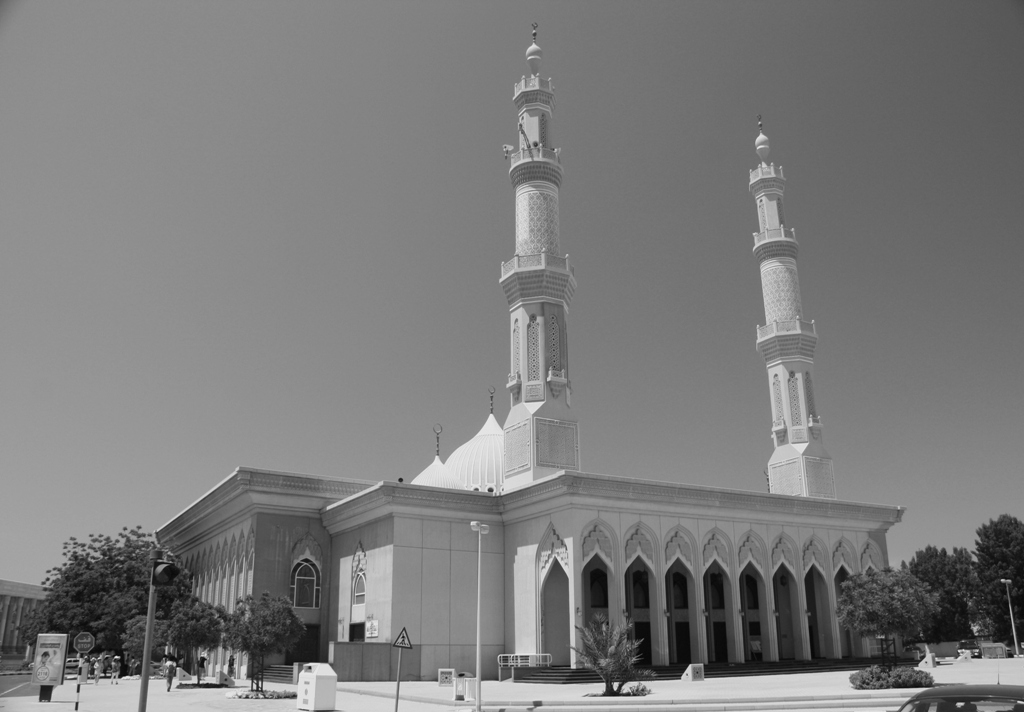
(964, 698)
(969, 645)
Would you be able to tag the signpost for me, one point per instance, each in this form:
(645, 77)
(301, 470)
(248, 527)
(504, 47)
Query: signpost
(402, 642)
(84, 643)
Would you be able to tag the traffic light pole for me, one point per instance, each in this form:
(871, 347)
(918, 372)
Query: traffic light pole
(144, 674)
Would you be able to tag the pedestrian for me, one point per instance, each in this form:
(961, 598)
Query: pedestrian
(231, 666)
(115, 670)
(169, 670)
(96, 670)
(202, 667)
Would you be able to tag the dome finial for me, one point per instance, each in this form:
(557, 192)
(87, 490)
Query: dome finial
(761, 144)
(491, 391)
(533, 54)
(437, 437)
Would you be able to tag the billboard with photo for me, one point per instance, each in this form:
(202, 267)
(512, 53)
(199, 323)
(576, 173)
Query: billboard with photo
(48, 665)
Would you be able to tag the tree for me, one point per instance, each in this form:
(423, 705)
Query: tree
(607, 650)
(885, 604)
(195, 625)
(954, 581)
(102, 584)
(262, 625)
(999, 549)
(133, 640)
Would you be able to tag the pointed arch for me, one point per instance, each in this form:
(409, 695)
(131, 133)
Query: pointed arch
(680, 545)
(752, 548)
(640, 541)
(717, 547)
(552, 548)
(843, 555)
(871, 557)
(306, 547)
(597, 540)
(784, 551)
(358, 559)
(813, 554)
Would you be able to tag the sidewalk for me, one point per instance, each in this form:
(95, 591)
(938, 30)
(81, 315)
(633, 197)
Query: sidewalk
(809, 691)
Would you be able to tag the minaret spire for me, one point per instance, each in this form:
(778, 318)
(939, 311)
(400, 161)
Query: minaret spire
(541, 435)
(799, 465)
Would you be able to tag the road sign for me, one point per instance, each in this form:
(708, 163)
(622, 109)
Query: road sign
(84, 642)
(402, 641)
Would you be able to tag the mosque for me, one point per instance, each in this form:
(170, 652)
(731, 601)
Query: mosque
(705, 574)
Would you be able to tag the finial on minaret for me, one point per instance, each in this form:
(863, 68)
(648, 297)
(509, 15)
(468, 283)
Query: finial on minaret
(437, 437)
(761, 144)
(491, 391)
(533, 54)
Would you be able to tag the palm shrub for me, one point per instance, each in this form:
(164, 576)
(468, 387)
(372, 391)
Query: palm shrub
(608, 650)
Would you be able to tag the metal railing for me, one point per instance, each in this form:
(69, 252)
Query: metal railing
(514, 660)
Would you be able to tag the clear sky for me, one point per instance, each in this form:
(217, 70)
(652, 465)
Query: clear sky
(269, 234)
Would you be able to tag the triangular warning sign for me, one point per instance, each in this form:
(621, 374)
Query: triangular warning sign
(402, 641)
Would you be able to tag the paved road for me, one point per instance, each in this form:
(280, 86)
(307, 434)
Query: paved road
(16, 686)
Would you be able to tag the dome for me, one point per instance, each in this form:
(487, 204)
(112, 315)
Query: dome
(479, 463)
(533, 57)
(761, 146)
(437, 475)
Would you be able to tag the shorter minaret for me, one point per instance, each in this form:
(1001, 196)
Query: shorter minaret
(800, 465)
(541, 435)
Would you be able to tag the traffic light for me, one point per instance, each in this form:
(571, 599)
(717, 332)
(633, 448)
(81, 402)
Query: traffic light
(164, 572)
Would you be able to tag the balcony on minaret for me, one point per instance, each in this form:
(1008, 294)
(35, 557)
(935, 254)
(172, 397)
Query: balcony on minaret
(774, 233)
(781, 340)
(537, 153)
(766, 171)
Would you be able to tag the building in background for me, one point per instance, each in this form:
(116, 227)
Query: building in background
(17, 600)
(705, 574)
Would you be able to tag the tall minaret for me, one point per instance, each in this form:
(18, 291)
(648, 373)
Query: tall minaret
(799, 465)
(541, 435)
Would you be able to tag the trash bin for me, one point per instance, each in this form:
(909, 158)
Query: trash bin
(318, 687)
(465, 687)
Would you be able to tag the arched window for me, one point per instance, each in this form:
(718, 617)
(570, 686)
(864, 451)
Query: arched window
(305, 585)
(357, 629)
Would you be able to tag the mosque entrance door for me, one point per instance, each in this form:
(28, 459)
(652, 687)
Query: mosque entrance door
(307, 649)
(555, 614)
(845, 634)
(638, 605)
(679, 592)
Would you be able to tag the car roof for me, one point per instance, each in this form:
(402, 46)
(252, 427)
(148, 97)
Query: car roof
(1015, 691)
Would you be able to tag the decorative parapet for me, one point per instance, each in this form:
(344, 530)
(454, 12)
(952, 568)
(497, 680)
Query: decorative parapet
(526, 83)
(790, 326)
(774, 233)
(515, 381)
(537, 153)
(541, 261)
(766, 171)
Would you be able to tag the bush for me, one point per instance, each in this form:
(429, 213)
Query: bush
(638, 690)
(877, 677)
(262, 695)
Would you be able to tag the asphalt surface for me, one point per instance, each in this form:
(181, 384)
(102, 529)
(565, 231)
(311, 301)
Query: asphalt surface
(809, 692)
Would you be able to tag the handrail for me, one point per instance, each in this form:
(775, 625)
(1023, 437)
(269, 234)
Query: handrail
(514, 660)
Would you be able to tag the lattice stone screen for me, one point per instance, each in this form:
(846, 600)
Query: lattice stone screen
(820, 480)
(786, 478)
(517, 447)
(536, 223)
(556, 444)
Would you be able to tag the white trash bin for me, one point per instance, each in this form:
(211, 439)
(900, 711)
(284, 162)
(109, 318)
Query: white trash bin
(318, 687)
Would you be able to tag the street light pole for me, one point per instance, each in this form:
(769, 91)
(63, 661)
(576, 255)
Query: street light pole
(480, 529)
(1016, 645)
(147, 645)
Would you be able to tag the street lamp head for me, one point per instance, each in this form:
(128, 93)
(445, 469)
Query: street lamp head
(480, 527)
(1006, 581)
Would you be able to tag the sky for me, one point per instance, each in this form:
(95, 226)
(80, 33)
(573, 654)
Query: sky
(264, 234)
